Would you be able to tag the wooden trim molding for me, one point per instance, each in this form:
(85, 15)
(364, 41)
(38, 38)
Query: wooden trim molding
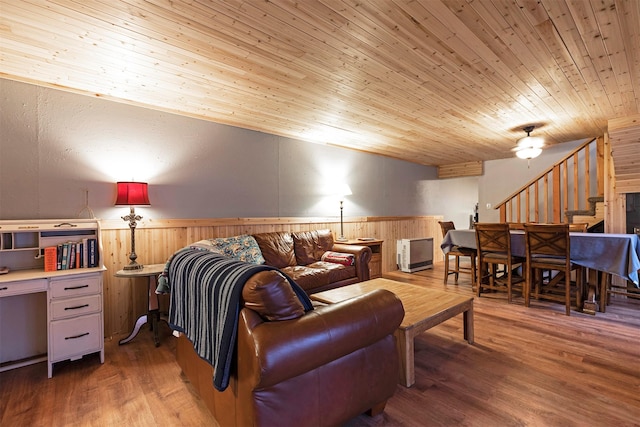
(118, 224)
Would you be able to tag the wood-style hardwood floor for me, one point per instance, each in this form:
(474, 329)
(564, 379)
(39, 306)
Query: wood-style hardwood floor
(528, 367)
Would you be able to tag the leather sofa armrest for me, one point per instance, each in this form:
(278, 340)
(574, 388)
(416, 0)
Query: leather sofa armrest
(362, 255)
(276, 351)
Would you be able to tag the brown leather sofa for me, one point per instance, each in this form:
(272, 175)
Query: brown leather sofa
(299, 255)
(319, 368)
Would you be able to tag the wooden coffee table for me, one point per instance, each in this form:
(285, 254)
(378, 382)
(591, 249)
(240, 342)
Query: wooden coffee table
(423, 309)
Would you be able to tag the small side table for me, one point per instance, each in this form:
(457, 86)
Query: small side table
(375, 265)
(153, 314)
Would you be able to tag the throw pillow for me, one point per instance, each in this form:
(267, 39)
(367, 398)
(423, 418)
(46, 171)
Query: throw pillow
(244, 247)
(339, 258)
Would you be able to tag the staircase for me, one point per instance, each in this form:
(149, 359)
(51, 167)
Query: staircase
(570, 191)
(594, 215)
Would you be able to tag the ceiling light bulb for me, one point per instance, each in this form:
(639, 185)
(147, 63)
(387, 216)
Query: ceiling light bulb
(531, 142)
(529, 146)
(529, 152)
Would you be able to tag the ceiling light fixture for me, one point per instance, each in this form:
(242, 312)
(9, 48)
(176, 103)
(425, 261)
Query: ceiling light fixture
(529, 146)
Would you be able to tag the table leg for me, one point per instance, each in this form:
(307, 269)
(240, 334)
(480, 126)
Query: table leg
(404, 340)
(603, 291)
(136, 328)
(590, 303)
(154, 311)
(152, 316)
(467, 316)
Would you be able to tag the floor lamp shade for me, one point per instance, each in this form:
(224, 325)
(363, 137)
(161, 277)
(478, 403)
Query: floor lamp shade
(132, 194)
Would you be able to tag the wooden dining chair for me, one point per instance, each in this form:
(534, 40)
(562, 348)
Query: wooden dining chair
(602, 279)
(578, 227)
(457, 252)
(625, 288)
(496, 263)
(548, 248)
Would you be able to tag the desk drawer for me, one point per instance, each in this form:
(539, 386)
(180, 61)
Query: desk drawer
(71, 307)
(71, 287)
(23, 287)
(73, 338)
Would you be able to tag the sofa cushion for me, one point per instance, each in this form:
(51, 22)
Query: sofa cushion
(335, 272)
(308, 278)
(244, 247)
(319, 274)
(309, 246)
(277, 248)
(270, 295)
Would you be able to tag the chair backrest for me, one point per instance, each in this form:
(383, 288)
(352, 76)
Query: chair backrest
(493, 237)
(579, 227)
(547, 239)
(445, 226)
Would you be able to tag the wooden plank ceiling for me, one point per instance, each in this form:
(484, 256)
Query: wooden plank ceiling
(434, 82)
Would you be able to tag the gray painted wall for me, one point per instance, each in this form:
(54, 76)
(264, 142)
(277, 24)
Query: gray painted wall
(56, 147)
(456, 197)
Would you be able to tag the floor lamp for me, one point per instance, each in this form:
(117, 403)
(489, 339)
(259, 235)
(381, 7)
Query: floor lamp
(132, 194)
(344, 190)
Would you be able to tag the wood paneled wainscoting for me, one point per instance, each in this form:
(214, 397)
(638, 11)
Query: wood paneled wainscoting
(126, 299)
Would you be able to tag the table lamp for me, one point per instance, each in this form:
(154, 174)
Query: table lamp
(132, 194)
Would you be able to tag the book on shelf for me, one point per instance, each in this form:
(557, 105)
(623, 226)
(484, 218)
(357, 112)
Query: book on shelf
(65, 256)
(93, 252)
(51, 258)
(78, 248)
(59, 257)
(85, 256)
(72, 256)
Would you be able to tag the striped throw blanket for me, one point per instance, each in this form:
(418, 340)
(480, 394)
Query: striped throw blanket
(206, 290)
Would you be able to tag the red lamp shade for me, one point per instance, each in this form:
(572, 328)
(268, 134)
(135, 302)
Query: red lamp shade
(132, 193)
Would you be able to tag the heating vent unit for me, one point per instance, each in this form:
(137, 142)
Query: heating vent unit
(415, 254)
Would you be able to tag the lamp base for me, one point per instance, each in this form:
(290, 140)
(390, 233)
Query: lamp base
(133, 266)
(341, 239)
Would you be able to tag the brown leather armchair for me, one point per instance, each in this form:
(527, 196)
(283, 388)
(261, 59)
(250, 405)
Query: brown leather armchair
(320, 368)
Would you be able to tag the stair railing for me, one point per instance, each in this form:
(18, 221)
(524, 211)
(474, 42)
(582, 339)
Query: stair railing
(565, 186)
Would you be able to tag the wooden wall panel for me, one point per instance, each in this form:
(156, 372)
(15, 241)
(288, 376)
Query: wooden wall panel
(624, 137)
(622, 166)
(126, 299)
(615, 215)
(461, 169)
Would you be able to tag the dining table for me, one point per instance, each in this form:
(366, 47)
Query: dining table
(611, 253)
